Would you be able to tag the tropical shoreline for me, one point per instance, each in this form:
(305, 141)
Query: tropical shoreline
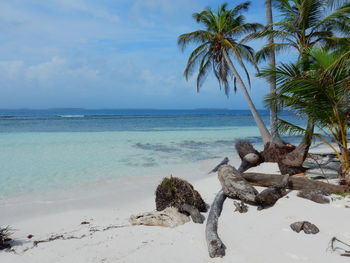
(107, 236)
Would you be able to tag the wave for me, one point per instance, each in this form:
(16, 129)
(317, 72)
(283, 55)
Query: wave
(71, 116)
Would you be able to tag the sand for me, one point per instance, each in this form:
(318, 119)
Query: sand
(107, 236)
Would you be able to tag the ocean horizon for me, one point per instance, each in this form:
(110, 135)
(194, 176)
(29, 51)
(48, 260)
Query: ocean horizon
(49, 149)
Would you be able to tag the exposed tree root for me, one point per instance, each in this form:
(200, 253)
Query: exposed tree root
(344, 253)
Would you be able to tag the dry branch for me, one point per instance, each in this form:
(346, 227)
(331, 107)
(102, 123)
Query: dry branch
(215, 246)
(196, 216)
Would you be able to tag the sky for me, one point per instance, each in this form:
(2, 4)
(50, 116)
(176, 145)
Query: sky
(107, 54)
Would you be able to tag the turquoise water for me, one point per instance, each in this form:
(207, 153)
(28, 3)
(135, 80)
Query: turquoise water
(39, 152)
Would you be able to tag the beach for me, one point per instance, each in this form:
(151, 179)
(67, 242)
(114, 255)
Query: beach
(174, 131)
(107, 236)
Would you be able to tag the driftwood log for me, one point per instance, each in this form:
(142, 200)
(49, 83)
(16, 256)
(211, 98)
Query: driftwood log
(215, 246)
(241, 207)
(235, 186)
(316, 196)
(294, 183)
(196, 216)
(238, 185)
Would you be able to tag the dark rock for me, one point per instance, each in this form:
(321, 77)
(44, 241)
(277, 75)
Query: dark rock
(310, 228)
(306, 226)
(318, 196)
(176, 192)
(297, 226)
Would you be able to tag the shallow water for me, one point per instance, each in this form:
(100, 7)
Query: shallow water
(43, 150)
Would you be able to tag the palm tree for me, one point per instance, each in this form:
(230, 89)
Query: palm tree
(216, 44)
(304, 24)
(272, 59)
(322, 93)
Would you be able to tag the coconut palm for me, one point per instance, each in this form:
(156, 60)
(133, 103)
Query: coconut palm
(217, 43)
(322, 93)
(272, 63)
(304, 24)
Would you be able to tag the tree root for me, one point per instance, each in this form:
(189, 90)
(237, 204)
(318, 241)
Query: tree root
(345, 253)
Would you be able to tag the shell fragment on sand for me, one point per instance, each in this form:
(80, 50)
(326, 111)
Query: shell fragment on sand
(169, 217)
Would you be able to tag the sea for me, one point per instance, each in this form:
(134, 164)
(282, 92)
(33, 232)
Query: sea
(41, 150)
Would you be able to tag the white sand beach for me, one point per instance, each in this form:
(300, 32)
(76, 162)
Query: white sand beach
(107, 236)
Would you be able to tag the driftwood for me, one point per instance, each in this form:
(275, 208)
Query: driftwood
(269, 196)
(196, 216)
(249, 156)
(240, 207)
(224, 161)
(235, 186)
(317, 196)
(169, 217)
(289, 158)
(238, 185)
(343, 252)
(215, 246)
(295, 182)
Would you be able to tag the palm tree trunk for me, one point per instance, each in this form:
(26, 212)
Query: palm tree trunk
(292, 163)
(276, 139)
(266, 137)
(345, 163)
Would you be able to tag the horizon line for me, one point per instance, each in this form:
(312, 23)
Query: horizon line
(78, 108)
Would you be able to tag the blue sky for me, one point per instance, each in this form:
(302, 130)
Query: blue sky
(106, 54)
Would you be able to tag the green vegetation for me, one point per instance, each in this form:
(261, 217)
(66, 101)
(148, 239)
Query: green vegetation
(316, 85)
(217, 43)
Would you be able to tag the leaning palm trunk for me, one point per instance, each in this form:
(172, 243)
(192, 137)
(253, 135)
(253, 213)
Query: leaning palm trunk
(266, 137)
(292, 162)
(276, 139)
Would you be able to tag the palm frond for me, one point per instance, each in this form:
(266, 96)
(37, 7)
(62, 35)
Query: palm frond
(240, 8)
(204, 68)
(194, 58)
(264, 52)
(195, 37)
(285, 127)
